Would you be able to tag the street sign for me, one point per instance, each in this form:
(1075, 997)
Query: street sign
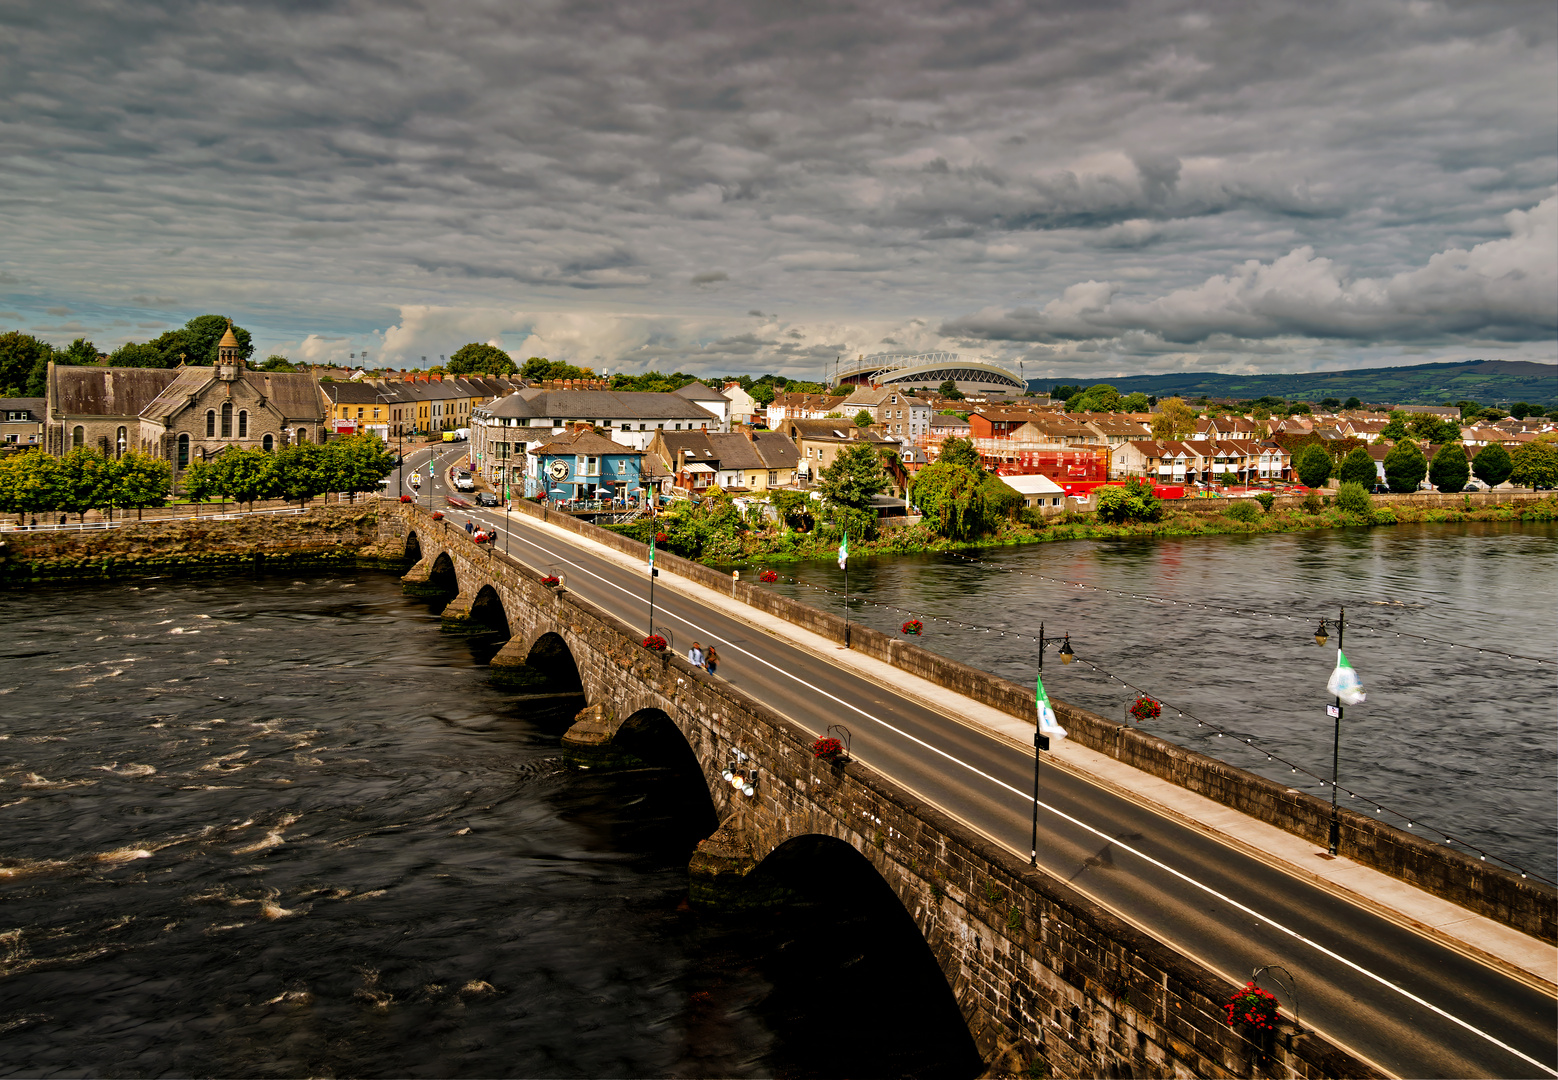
(1333, 710)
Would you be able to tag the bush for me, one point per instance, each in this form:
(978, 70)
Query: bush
(1312, 503)
(1242, 510)
(1134, 501)
(1354, 499)
(1266, 500)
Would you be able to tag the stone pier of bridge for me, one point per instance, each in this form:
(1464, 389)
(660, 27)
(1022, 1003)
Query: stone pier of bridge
(1048, 982)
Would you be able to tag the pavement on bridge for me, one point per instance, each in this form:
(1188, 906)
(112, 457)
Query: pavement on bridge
(1414, 985)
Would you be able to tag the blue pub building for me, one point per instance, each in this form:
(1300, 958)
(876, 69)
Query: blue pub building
(584, 464)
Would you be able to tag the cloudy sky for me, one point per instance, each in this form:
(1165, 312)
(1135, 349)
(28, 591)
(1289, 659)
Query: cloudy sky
(1088, 189)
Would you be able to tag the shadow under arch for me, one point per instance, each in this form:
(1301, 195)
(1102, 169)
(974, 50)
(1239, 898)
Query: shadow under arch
(413, 548)
(552, 659)
(843, 946)
(676, 797)
(487, 609)
(442, 575)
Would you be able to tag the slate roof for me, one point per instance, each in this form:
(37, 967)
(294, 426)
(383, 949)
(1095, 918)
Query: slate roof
(600, 405)
(586, 442)
(34, 406)
(112, 391)
(696, 391)
(732, 450)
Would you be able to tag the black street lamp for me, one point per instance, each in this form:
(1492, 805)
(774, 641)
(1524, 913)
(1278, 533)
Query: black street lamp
(1041, 740)
(1321, 637)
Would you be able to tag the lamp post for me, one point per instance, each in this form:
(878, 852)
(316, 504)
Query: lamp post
(1041, 740)
(1321, 637)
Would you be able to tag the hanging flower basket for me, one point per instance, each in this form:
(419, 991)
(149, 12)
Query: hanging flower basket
(552, 580)
(768, 577)
(1145, 708)
(405, 498)
(913, 627)
(661, 538)
(829, 750)
(438, 515)
(1253, 1008)
(653, 642)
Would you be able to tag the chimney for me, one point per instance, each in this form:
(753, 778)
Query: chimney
(681, 461)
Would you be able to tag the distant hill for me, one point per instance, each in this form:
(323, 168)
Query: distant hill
(1490, 382)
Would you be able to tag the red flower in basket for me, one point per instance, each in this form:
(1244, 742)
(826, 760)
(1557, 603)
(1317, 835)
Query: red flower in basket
(655, 642)
(1254, 1008)
(438, 515)
(913, 627)
(827, 749)
(552, 579)
(405, 498)
(1145, 708)
(661, 538)
(768, 577)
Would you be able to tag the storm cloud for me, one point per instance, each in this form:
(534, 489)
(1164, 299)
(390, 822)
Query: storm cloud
(1090, 189)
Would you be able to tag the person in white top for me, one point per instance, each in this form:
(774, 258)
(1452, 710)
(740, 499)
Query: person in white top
(695, 655)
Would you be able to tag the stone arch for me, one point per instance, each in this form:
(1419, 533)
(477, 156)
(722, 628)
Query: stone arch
(442, 574)
(551, 658)
(487, 609)
(413, 547)
(852, 939)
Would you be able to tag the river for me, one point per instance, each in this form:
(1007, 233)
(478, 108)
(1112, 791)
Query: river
(284, 827)
(1451, 738)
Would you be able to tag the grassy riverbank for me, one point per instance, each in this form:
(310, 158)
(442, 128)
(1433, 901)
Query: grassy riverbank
(731, 545)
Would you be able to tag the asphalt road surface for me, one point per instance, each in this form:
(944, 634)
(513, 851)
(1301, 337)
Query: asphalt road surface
(1407, 1003)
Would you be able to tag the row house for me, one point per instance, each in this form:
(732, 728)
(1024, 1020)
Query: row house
(1367, 428)
(505, 430)
(802, 407)
(1225, 427)
(1202, 460)
(1112, 429)
(1045, 447)
(21, 420)
(820, 441)
(944, 426)
(900, 415)
(738, 462)
(1167, 461)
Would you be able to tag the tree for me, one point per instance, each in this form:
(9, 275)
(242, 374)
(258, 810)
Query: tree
(1352, 403)
(1492, 465)
(539, 369)
(29, 483)
(298, 472)
(960, 452)
(242, 475)
(793, 508)
(203, 334)
(86, 482)
(1174, 420)
(1396, 427)
(1469, 409)
(1433, 429)
(24, 360)
(1405, 467)
(1331, 404)
(1097, 398)
(1522, 409)
(142, 481)
(1260, 416)
(1354, 499)
(479, 359)
(863, 418)
(854, 478)
(1313, 465)
(359, 462)
(949, 389)
(1535, 465)
(80, 351)
(1137, 402)
(762, 393)
(199, 482)
(132, 355)
(1358, 468)
(1449, 470)
(961, 501)
(1133, 501)
(1065, 392)
(279, 363)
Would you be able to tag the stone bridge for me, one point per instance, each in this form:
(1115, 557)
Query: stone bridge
(1048, 982)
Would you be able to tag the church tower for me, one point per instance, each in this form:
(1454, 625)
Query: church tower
(228, 361)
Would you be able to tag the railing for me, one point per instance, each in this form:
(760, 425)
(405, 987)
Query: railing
(100, 526)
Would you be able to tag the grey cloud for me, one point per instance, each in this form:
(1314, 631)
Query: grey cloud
(709, 277)
(60, 311)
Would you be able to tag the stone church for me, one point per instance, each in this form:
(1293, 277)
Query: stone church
(187, 414)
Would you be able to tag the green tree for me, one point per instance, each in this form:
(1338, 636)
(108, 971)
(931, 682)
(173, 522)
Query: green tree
(1358, 468)
(174, 348)
(960, 452)
(299, 472)
(1331, 404)
(1133, 501)
(1313, 465)
(24, 361)
(242, 475)
(762, 393)
(132, 355)
(1174, 419)
(1396, 427)
(359, 462)
(1492, 465)
(279, 363)
(29, 483)
(203, 333)
(949, 389)
(1354, 499)
(1522, 409)
(1433, 429)
(854, 478)
(959, 499)
(793, 508)
(1535, 465)
(1098, 398)
(863, 418)
(539, 368)
(142, 481)
(200, 482)
(1405, 467)
(86, 482)
(1449, 470)
(1469, 409)
(80, 351)
(479, 359)
(1137, 402)
(1352, 403)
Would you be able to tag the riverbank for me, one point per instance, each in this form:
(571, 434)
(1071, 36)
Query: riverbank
(323, 537)
(1202, 519)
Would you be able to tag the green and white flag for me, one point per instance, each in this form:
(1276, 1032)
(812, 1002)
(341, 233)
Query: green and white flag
(844, 551)
(1048, 724)
(651, 553)
(1344, 682)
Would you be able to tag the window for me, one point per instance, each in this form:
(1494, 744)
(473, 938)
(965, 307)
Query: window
(210, 423)
(183, 451)
(773, 478)
(268, 443)
(227, 419)
(622, 466)
(359, 412)
(302, 435)
(243, 424)
(375, 412)
(78, 435)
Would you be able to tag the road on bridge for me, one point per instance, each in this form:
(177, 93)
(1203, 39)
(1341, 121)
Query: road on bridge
(1409, 1004)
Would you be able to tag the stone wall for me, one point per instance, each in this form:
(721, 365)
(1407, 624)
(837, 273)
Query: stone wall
(1046, 980)
(320, 537)
(1526, 905)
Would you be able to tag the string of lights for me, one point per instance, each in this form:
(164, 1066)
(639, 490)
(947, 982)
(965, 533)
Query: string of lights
(1222, 610)
(1413, 822)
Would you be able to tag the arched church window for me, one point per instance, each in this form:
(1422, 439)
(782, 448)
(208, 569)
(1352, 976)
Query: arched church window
(78, 436)
(227, 419)
(184, 451)
(268, 443)
(302, 435)
(210, 423)
(243, 424)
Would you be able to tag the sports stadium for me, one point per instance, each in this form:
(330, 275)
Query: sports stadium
(928, 371)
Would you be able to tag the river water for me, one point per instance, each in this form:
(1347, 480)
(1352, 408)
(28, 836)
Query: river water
(1458, 740)
(284, 828)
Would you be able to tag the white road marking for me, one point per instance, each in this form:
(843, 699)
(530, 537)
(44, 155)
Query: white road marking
(1121, 845)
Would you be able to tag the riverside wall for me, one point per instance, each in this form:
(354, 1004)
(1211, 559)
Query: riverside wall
(1521, 903)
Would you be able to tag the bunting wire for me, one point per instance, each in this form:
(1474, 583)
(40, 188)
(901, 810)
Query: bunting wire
(1414, 823)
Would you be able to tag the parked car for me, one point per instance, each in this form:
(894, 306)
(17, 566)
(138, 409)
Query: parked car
(463, 482)
(486, 498)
